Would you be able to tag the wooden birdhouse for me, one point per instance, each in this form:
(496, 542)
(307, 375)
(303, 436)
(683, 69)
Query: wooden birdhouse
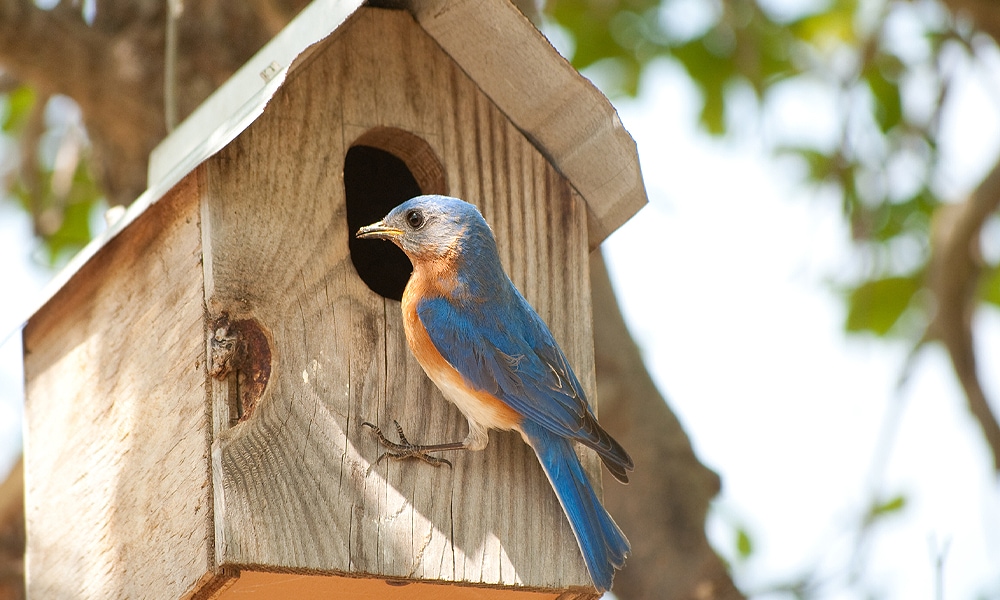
(197, 378)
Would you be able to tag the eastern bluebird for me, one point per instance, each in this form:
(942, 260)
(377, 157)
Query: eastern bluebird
(490, 353)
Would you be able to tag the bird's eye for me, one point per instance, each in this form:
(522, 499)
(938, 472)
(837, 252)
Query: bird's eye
(415, 219)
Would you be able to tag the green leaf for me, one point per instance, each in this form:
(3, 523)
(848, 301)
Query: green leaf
(829, 28)
(710, 70)
(19, 103)
(765, 51)
(912, 216)
(888, 109)
(989, 291)
(895, 504)
(876, 305)
(820, 166)
(73, 233)
(744, 546)
(713, 112)
(601, 30)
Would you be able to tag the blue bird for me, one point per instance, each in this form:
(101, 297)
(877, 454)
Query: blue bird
(490, 354)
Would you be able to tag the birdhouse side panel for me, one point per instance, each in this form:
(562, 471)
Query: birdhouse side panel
(117, 434)
(299, 484)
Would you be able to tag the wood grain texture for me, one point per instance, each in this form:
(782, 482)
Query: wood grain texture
(562, 112)
(297, 485)
(119, 499)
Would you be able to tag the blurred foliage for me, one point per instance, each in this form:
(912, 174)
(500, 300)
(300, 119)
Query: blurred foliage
(46, 171)
(877, 304)
(889, 65)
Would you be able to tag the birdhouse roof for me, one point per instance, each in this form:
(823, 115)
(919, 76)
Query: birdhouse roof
(561, 112)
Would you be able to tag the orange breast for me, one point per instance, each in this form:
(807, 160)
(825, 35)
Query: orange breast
(478, 406)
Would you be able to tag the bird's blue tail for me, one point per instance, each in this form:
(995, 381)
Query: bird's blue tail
(603, 544)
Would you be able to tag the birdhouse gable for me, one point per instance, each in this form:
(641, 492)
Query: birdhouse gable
(568, 120)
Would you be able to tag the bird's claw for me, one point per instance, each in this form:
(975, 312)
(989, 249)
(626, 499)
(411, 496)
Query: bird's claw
(404, 449)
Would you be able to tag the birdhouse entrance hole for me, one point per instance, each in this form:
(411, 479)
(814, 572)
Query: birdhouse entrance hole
(382, 169)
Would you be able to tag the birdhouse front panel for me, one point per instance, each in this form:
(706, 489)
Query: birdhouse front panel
(305, 334)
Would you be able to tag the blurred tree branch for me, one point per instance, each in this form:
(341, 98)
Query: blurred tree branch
(956, 273)
(983, 13)
(956, 265)
(954, 277)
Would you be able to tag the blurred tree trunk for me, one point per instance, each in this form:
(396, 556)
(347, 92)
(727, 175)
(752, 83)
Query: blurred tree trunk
(113, 68)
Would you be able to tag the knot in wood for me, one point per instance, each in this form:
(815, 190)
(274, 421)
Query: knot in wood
(240, 349)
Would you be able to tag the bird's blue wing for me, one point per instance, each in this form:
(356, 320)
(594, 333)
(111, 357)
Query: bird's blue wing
(495, 353)
(505, 349)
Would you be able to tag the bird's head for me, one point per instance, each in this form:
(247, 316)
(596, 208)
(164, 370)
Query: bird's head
(432, 227)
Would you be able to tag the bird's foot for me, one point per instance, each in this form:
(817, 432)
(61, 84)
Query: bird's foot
(404, 449)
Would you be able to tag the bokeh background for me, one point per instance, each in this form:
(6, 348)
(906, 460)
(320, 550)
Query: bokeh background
(814, 285)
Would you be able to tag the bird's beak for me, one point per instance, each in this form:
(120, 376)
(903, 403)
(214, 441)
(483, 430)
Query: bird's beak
(379, 231)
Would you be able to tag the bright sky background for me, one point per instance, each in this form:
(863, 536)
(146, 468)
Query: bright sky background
(745, 339)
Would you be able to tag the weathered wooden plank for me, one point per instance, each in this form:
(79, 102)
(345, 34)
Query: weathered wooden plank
(389, 90)
(118, 485)
(299, 486)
